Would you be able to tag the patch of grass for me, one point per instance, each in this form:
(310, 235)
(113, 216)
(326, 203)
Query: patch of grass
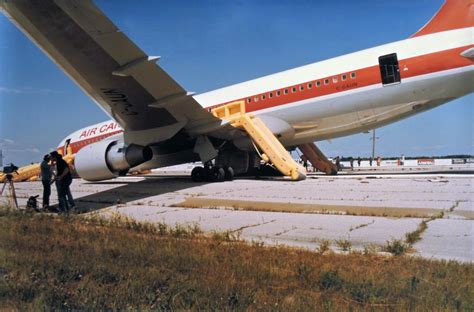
(226, 236)
(361, 226)
(415, 236)
(397, 247)
(215, 203)
(324, 246)
(365, 292)
(330, 280)
(72, 263)
(370, 249)
(344, 244)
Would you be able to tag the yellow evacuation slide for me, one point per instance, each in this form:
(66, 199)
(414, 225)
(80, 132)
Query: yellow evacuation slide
(32, 172)
(272, 150)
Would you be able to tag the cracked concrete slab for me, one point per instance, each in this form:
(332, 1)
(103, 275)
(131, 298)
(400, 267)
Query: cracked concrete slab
(445, 237)
(157, 198)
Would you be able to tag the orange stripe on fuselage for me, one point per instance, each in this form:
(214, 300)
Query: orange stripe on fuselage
(77, 145)
(416, 66)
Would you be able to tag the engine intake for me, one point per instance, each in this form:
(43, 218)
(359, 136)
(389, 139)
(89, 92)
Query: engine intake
(108, 159)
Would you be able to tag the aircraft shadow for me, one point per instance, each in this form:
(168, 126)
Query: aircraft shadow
(131, 191)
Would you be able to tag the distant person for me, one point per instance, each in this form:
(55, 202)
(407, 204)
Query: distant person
(338, 163)
(358, 161)
(351, 161)
(63, 181)
(305, 163)
(370, 161)
(402, 160)
(379, 161)
(46, 177)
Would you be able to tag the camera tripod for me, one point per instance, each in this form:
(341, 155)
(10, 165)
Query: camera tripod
(9, 182)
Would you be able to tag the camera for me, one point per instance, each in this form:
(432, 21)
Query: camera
(10, 169)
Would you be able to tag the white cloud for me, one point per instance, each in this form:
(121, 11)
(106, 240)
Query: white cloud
(6, 142)
(10, 146)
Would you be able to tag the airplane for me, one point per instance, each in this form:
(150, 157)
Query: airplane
(156, 123)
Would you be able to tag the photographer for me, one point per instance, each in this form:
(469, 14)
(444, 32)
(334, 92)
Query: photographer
(63, 181)
(46, 176)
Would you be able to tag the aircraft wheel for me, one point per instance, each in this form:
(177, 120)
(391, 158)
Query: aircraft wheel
(229, 174)
(216, 174)
(198, 174)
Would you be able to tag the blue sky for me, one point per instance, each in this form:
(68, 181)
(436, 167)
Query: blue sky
(210, 44)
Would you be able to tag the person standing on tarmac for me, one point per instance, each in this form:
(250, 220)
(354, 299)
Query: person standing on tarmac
(338, 163)
(63, 181)
(46, 176)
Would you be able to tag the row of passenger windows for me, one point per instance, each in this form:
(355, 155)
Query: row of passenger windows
(310, 85)
(93, 140)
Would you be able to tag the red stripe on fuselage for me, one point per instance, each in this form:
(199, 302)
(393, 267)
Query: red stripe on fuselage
(416, 66)
(77, 145)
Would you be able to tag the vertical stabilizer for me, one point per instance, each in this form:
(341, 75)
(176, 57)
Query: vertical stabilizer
(453, 14)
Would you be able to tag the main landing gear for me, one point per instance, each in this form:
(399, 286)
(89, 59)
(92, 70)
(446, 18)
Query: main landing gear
(212, 173)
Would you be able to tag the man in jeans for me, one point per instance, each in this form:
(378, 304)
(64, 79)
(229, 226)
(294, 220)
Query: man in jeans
(63, 181)
(46, 176)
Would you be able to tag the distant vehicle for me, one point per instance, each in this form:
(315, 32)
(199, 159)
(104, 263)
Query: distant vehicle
(156, 123)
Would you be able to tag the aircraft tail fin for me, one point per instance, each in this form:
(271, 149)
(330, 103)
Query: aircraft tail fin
(453, 14)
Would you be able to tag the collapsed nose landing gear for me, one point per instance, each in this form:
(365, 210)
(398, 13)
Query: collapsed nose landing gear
(212, 173)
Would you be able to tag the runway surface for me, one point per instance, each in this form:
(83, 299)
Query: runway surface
(366, 209)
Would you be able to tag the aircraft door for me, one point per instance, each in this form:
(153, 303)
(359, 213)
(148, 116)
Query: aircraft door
(67, 148)
(389, 69)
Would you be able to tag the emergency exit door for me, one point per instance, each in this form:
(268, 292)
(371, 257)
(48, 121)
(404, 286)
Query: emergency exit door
(389, 69)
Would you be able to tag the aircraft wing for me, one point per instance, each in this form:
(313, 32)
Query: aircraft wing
(110, 68)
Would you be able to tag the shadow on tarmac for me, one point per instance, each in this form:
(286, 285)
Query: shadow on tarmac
(154, 185)
(132, 191)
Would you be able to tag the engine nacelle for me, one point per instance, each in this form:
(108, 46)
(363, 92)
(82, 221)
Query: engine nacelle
(108, 159)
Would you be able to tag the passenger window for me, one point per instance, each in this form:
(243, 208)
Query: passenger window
(318, 83)
(310, 85)
(293, 90)
(301, 88)
(353, 75)
(248, 101)
(334, 79)
(270, 95)
(255, 99)
(278, 93)
(263, 97)
(326, 81)
(286, 91)
(344, 77)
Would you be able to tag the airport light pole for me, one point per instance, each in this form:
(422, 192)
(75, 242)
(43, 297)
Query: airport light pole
(373, 138)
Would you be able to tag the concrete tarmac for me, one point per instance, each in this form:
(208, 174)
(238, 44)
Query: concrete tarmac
(366, 209)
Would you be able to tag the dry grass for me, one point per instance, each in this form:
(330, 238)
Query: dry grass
(200, 202)
(70, 263)
(412, 237)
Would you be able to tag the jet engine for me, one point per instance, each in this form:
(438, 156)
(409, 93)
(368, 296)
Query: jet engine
(108, 159)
